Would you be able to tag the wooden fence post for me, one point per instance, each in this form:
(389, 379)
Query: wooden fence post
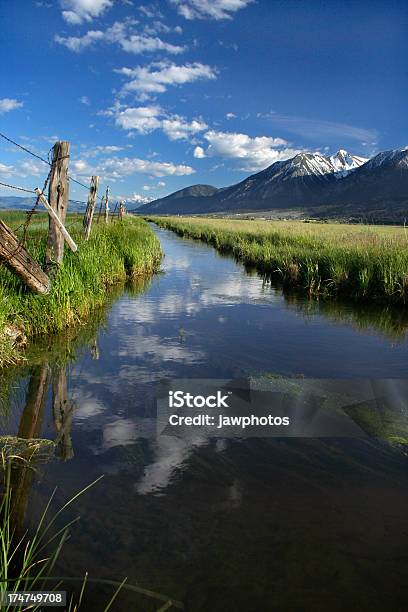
(93, 191)
(16, 257)
(107, 205)
(53, 215)
(100, 208)
(58, 199)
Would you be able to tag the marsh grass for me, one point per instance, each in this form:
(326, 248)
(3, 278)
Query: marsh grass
(116, 252)
(360, 262)
(27, 559)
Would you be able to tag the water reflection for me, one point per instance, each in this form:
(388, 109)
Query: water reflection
(184, 516)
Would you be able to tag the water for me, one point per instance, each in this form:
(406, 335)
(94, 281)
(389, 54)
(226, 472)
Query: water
(228, 525)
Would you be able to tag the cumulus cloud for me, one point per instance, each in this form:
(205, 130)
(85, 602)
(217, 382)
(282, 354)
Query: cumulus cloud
(156, 77)
(77, 11)
(143, 119)
(84, 100)
(209, 9)
(146, 119)
(79, 43)
(199, 153)
(7, 171)
(146, 42)
(122, 34)
(135, 198)
(177, 128)
(9, 104)
(116, 168)
(23, 169)
(230, 116)
(253, 153)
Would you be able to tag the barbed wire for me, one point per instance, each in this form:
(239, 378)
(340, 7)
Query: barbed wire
(24, 148)
(17, 188)
(48, 162)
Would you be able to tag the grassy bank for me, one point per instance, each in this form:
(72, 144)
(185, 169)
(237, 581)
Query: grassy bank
(113, 253)
(360, 262)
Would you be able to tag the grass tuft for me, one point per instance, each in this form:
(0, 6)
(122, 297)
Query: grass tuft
(114, 253)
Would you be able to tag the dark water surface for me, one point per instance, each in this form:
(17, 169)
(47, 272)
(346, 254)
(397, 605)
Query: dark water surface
(221, 525)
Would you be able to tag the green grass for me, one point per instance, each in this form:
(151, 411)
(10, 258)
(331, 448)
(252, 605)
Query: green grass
(115, 252)
(359, 262)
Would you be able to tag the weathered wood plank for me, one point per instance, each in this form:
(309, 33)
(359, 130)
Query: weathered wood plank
(107, 205)
(18, 259)
(90, 209)
(58, 199)
(72, 245)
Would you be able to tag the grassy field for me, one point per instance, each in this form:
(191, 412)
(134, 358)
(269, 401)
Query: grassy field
(113, 253)
(357, 261)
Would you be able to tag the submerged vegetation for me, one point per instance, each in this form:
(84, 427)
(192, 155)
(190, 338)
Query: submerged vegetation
(114, 253)
(360, 262)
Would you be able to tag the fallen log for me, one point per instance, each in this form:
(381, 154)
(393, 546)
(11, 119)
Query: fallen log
(14, 255)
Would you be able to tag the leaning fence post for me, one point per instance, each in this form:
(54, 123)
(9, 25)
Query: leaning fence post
(107, 205)
(58, 200)
(93, 190)
(18, 259)
(53, 215)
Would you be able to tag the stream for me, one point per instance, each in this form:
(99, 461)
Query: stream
(219, 524)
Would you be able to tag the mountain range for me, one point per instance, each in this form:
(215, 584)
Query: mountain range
(26, 203)
(342, 185)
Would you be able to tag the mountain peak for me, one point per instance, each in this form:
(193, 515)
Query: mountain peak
(343, 161)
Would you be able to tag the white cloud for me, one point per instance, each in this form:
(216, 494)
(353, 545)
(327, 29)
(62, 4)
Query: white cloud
(146, 119)
(320, 129)
(24, 169)
(120, 33)
(199, 153)
(84, 100)
(9, 104)
(148, 11)
(156, 77)
(125, 166)
(79, 43)
(159, 27)
(177, 128)
(230, 116)
(209, 9)
(143, 119)
(102, 150)
(31, 168)
(141, 43)
(161, 184)
(253, 153)
(78, 11)
(117, 168)
(135, 198)
(7, 171)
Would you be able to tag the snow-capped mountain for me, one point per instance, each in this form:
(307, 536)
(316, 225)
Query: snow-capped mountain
(307, 181)
(344, 162)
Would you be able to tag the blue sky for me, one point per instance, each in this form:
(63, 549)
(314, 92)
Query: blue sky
(155, 96)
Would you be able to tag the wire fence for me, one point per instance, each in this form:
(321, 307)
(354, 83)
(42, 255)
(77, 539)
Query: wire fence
(45, 161)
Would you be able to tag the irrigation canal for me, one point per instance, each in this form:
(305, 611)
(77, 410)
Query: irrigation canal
(220, 524)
